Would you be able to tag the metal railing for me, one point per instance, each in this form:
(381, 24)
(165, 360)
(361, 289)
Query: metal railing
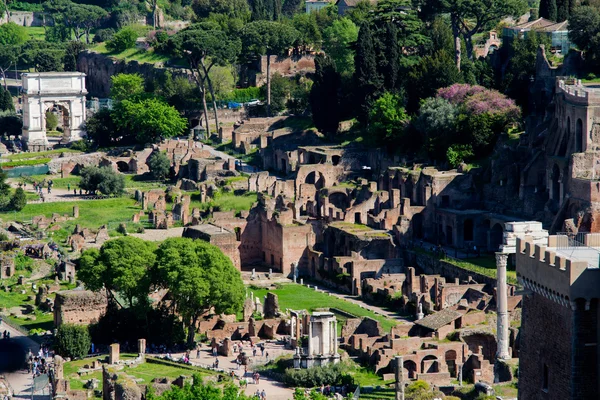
(573, 245)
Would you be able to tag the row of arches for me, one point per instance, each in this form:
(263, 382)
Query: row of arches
(430, 364)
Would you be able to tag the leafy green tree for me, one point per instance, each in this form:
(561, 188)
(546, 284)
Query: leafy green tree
(521, 66)
(436, 123)
(309, 35)
(150, 119)
(48, 61)
(281, 88)
(431, 73)
(562, 10)
(291, 7)
(159, 165)
(121, 266)
(267, 38)
(122, 40)
(337, 43)
(102, 179)
(58, 33)
(459, 153)
(199, 390)
(126, 86)
(12, 34)
(584, 31)
(51, 121)
(367, 78)
(404, 16)
(180, 93)
(387, 119)
(10, 124)
(232, 9)
(18, 200)
(548, 9)
(471, 17)
(324, 95)
(6, 102)
(204, 49)
(9, 56)
(199, 277)
(72, 50)
(102, 130)
(390, 63)
(72, 341)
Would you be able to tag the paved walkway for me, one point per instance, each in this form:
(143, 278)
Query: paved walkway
(12, 354)
(273, 389)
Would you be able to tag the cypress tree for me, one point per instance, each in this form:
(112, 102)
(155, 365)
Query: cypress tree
(572, 5)
(368, 81)
(548, 9)
(392, 56)
(324, 95)
(562, 13)
(6, 103)
(552, 10)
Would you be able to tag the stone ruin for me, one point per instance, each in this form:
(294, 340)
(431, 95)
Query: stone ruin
(7, 266)
(79, 307)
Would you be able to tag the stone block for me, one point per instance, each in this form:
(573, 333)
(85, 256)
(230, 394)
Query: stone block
(114, 352)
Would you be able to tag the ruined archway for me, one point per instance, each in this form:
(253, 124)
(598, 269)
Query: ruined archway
(340, 200)
(122, 166)
(468, 230)
(579, 138)
(429, 365)
(450, 358)
(496, 237)
(315, 178)
(555, 183)
(411, 367)
(44, 91)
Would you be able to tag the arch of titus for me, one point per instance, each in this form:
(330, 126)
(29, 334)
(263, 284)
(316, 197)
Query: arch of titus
(42, 92)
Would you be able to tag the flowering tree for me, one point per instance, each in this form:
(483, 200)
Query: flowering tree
(480, 116)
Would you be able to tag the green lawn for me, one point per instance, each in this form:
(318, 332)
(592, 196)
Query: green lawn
(92, 213)
(131, 181)
(21, 163)
(36, 32)
(146, 371)
(225, 202)
(135, 54)
(40, 154)
(298, 297)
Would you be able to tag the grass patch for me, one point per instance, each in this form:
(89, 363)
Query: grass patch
(21, 163)
(134, 54)
(40, 154)
(92, 213)
(131, 181)
(226, 202)
(36, 32)
(300, 297)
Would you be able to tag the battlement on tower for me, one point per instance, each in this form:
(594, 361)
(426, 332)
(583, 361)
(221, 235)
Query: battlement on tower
(562, 272)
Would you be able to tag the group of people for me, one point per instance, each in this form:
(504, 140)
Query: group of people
(262, 395)
(36, 364)
(39, 186)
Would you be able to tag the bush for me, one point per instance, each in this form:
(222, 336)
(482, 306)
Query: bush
(458, 153)
(104, 35)
(317, 376)
(18, 200)
(23, 263)
(103, 179)
(72, 341)
(242, 95)
(51, 121)
(122, 40)
(159, 165)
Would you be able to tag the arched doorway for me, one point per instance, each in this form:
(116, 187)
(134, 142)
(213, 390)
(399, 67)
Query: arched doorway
(579, 139)
(450, 358)
(496, 237)
(335, 160)
(411, 367)
(468, 230)
(315, 178)
(122, 166)
(555, 183)
(429, 365)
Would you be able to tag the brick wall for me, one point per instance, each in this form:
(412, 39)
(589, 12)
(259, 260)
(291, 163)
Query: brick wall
(545, 339)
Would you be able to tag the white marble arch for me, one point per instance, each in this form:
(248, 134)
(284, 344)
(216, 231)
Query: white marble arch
(42, 91)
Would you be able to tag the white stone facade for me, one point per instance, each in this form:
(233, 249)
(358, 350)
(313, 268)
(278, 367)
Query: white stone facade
(322, 341)
(45, 90)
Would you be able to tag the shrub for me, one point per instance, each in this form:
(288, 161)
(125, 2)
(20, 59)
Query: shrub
(122, 40)
(104, 35)
(72, 341)
(23, 263)
(103, 179)
(317, 376)
(51, 121)
(458, 153)
(159, 165)
(18, 200)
